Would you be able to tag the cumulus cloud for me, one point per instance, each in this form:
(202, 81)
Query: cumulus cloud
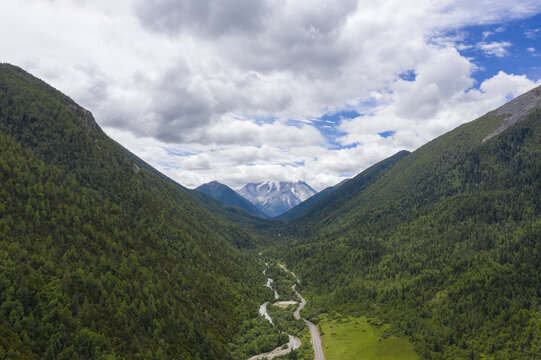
(453, 108)
(249, 133)
(207, 89)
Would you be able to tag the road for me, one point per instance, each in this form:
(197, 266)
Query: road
(314, 333)
(316, 342)
(289, 271)
(297, 313)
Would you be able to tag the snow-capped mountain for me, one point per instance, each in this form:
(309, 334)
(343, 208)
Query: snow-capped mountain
(276, 197)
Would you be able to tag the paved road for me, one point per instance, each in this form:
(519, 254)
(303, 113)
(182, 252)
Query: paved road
(297, 313)
(316, 342)
(289, 271)
(314, 333)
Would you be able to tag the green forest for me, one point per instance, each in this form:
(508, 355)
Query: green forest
(100, 258)
(443, 245)
(103, 257)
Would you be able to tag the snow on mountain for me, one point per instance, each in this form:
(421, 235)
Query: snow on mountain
(276, 197)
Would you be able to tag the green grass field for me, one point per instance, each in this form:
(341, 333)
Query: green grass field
(351, 338)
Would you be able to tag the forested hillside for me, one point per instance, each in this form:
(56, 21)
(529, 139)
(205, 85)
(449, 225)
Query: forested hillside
(229, 196)
(221, 210)
(333, 201)
(444, 244)
(306, 204)
(101, 258)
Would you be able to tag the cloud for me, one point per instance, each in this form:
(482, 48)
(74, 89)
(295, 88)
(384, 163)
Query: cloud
(207, 89)
(533, 33)
(249, 133)
(202, 17)
(487, 34)
(496, 48)
(237, 164)
(453, 108)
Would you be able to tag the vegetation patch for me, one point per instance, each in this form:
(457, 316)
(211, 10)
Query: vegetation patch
(346, 338)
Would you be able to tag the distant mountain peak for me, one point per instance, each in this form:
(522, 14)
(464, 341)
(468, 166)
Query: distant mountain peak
(276, 197)
(213, 185)
(225, 194)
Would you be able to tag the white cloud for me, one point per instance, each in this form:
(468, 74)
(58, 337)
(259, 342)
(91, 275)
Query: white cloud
(219, 85)
(453, 108)
(496, 48)
(487, 34)
(533, 33)
(531, 50)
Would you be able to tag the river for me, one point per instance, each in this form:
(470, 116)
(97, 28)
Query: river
(294, 342)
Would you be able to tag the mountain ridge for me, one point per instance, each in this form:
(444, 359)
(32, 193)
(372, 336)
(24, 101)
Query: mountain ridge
(225, 194)
(443, 245)
(118, 253)
(303, 206)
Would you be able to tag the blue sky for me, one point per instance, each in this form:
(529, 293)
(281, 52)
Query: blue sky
(328, 125)
(286, 90)
(522, 48)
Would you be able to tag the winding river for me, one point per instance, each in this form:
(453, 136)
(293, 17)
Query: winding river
(294, 342)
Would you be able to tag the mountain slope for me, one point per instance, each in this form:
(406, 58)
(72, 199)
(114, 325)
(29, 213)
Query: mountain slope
(444, 244)
(229, 214)
(331, 199)
(303, 206)
(274, 198)
(339, 200)
(100, 257)
(225, 194)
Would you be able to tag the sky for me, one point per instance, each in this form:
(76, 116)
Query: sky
(250, 90)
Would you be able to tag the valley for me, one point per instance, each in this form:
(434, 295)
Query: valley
(294, 342)
(285, 180)
(429, 254)
(344, 337)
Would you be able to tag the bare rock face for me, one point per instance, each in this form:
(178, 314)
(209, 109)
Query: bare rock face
(517, 110)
